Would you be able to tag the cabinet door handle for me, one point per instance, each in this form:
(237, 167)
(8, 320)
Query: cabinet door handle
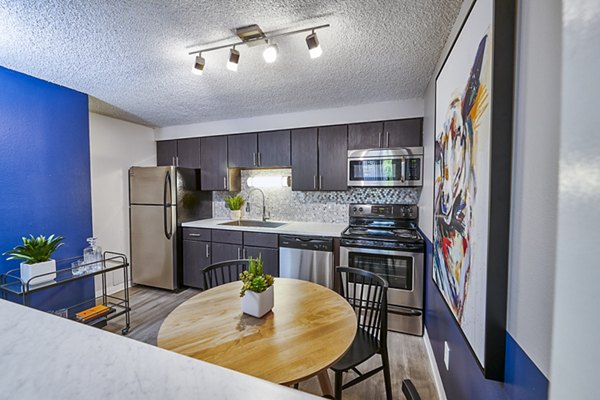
(387, 139)
(245, 253)
(177, 161)
(173, 160)
(259, 161)
(254, 158)
(239, 253)
(315, 182)
(224, 182)
(320, 182)
(194, 234)
(379, 139)
(207, 250)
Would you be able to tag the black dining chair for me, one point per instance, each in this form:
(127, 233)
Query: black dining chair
(223, 272)
(367, 294)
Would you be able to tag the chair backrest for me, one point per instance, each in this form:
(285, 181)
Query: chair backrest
(223, 272)
(367, 294)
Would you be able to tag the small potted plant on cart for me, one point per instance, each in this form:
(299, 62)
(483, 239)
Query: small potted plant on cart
(257, 289)
(37, 266)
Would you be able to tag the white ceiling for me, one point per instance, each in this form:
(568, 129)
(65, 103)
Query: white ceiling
(132, 54)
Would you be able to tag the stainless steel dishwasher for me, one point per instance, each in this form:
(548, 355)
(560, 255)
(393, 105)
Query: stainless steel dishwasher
(306, 257)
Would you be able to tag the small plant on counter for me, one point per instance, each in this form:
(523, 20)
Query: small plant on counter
(254, 279)
(235, 203)
(35, 249)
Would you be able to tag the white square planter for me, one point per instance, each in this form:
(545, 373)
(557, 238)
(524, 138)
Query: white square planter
(258, 304)
(236, 215)
(29, 271)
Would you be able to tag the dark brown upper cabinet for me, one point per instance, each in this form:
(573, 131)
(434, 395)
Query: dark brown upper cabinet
(242, 150)
(259, 150)
(397, 133)
(274, 149)
(181, 153)
(166, 153)
(188, 153)
(213, 157)
(365, 136)
(305, 167)
(403, 133)
(333, 158)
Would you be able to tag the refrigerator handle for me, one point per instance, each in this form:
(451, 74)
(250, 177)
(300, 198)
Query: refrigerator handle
(166, 207)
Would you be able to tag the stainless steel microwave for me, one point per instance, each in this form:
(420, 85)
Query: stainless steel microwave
(402, 166)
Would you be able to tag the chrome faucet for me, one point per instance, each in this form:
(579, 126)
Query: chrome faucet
(264, 204)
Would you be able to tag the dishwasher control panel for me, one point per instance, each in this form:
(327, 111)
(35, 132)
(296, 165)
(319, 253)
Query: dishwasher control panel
(306, 242)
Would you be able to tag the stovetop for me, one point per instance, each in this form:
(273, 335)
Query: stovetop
(402, 235)
(383, 226)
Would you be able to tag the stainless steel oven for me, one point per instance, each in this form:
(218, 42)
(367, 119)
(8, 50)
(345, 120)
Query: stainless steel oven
(401, 166)
(404, 272)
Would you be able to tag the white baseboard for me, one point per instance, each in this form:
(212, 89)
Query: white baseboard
(434, 369)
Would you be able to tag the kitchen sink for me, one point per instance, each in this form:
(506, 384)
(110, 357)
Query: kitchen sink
(254, 223)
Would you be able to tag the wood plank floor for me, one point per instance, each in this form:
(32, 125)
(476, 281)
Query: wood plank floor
(408, 357)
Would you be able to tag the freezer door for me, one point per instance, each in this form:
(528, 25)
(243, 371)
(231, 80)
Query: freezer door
(153, 235)
(152, 185)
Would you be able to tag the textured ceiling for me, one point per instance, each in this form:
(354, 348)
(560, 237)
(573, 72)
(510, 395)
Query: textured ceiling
(132, 54)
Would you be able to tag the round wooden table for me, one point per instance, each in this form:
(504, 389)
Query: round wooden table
(309, 328)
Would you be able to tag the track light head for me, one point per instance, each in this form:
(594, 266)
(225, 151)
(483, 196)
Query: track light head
(270, 53)
(234, 59)
(199, 65)
(314, 48)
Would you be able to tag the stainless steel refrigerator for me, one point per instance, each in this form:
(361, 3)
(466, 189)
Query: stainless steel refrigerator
(160, 199)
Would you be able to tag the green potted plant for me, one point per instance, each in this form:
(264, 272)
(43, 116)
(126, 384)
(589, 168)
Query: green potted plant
(36, 253)
(235, 204)
(257, 289)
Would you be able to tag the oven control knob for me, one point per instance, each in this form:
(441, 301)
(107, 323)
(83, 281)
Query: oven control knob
(360, 209)
(354, 209)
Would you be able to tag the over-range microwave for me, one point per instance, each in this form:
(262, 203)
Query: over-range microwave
(402, 166)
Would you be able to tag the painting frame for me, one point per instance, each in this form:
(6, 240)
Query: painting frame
(501, 96)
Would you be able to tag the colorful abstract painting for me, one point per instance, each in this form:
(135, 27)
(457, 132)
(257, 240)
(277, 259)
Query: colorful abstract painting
(462, 173)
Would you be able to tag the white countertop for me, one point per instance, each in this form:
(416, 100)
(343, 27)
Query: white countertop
(48, 357)
(290, 228)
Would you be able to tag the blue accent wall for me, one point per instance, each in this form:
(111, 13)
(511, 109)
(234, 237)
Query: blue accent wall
(464, 380)
(45, 173)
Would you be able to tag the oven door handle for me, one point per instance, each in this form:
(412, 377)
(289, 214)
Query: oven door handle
(407, 312)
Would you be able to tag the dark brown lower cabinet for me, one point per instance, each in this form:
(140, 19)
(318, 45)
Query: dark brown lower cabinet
(196, 256)
(225, 252)
(269, 256)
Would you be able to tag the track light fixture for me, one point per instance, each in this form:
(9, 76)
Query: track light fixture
(199, 65)
(252, 36)
(234, 59)
(314, 48)
(270, 53)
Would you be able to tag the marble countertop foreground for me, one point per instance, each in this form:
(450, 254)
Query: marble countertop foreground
(290, 228)
(47, 357)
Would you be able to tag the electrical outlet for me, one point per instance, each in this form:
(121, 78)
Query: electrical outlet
(446, 355)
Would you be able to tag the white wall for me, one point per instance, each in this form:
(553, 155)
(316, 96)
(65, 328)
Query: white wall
(535, 175)
(575, 350)
(330, 116)
(115, 146)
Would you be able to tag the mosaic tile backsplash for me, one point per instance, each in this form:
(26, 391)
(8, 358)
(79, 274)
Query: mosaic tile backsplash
(286, 205)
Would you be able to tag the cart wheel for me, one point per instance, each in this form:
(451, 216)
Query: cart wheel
(125, 331)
